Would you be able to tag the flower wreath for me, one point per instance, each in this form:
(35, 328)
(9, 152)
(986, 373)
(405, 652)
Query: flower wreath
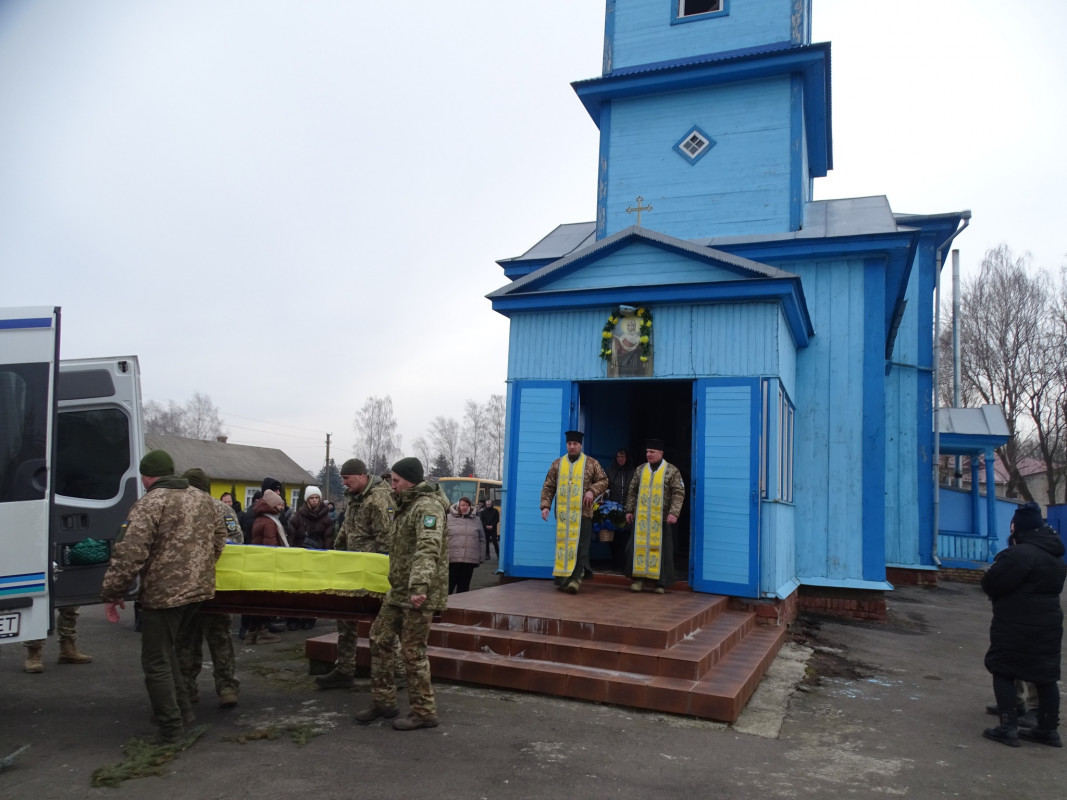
(646, 332)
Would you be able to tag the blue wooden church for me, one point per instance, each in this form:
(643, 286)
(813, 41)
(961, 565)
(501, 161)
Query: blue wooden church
(782, 346)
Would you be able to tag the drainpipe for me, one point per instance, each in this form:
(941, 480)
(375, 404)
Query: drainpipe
(966, 216)
(958, 461)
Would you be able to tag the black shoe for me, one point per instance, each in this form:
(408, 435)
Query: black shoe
(1003, 734)
(1051, 738)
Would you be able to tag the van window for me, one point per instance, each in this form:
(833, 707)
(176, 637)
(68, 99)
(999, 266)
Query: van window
(92, 453)
(23, 431)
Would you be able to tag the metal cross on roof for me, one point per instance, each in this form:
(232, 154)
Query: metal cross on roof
(638, 208)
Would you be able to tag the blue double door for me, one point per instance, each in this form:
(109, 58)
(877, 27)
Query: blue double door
(713, 428)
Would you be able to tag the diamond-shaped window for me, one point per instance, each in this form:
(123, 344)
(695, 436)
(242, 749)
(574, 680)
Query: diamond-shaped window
(694, 145)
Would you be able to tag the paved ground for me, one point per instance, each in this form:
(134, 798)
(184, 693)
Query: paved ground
(851, 710)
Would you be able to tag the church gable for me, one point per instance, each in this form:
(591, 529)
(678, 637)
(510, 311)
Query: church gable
(643, 264)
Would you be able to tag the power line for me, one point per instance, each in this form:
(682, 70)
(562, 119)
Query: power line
(276, 424)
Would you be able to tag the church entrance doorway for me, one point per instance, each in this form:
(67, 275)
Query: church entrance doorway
(623, 414)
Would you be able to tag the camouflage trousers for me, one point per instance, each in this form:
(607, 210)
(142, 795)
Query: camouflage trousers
(412, 627)
(66, 627)
(347, 639)
(215, 629)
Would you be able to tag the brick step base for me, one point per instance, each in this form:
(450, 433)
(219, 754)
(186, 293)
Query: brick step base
(681, 653)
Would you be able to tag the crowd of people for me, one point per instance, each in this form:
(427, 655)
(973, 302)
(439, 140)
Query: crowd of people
(176, 532)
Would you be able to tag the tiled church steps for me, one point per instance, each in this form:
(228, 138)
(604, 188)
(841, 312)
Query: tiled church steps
(681, 653)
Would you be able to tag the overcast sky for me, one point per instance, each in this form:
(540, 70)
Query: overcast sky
(293, 206)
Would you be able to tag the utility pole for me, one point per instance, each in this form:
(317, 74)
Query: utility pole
(326, 472)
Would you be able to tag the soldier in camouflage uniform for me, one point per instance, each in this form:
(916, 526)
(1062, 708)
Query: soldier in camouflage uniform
(67, 631)
(214, 628)
(367, 528)
(171, 539)
(418, 577)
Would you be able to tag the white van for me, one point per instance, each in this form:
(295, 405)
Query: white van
(71, 440)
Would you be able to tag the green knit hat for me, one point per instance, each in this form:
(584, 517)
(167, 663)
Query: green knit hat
(410, 469)
(198, 479)
(156, 464)
(353, 467)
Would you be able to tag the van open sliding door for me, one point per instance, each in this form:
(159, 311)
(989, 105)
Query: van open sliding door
(29, 354)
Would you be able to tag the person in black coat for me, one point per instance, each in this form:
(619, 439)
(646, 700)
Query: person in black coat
(1024, 582)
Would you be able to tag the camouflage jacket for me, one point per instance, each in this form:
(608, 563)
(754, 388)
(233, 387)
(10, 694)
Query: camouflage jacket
(234, 534)
(172, 538)
(368, 525)
(673, 490)
(595, 481)
(418, 562)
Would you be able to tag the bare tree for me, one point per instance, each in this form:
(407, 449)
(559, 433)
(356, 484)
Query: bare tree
(376, 438)
(202, 418)
(494, 427)
(474, 435)
(444, 439)
(422, 451)
(161, 420)
(199, 418)
(1003, 356)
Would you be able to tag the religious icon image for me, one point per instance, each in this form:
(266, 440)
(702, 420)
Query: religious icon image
(629, 349)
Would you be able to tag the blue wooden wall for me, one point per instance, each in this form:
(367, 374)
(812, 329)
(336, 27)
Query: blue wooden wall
(909, 428)
(728, 339)
(743, 184)
(837, 477)
(640, 31)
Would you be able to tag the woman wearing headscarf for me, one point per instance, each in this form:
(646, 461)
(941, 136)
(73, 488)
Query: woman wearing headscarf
(1024, 582)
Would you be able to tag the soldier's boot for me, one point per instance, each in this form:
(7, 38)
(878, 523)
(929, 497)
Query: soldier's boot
(335, 679)
(34, 664)
(1045, 732)
(570, 587)
(68, 652)
(1007, 732)
(227, 698)
(413, 723)
(368, 715)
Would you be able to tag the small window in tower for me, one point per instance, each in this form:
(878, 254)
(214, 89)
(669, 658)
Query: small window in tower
(694, 145)
(693, 8)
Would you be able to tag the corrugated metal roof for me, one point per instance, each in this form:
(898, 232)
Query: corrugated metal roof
(564, 239)
(985, 420)
(224, 461)
(823, 219)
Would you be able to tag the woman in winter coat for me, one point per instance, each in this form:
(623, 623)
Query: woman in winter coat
(466, 543)
(311, 525)
(267, 529)
(1024, 582)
